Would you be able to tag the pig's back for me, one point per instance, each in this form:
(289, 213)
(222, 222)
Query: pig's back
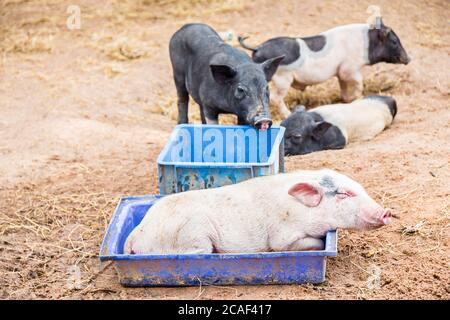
(170, 226)
(359, 120)
(200, 40)
(234, 218)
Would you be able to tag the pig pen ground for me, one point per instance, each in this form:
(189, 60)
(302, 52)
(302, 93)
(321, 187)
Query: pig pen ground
(84, 114)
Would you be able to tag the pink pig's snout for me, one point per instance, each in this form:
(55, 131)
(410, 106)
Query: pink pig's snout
(373, 218)
(386, 217)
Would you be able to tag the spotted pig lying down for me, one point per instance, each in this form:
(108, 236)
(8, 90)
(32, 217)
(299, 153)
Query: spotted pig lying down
(281, 212)
(334, 126)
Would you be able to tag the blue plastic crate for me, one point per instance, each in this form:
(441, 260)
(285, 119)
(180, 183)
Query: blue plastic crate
(210, 156)
(214, 268)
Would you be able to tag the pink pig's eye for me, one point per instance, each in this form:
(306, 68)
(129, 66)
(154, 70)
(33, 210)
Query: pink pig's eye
(344, 193)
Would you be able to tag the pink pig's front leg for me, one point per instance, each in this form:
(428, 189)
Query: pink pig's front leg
(283, 240)
(306, 244)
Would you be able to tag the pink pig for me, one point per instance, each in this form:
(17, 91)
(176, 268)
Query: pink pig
(282, 212)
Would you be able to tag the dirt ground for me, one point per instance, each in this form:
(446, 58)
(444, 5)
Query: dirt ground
(84, 114)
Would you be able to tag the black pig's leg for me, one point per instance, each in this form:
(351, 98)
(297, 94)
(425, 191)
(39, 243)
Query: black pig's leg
(211, 115)
(242, 121)
(183, 99)
(202, 115)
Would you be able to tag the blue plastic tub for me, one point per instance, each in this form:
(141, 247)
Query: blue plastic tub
(210, 156)
(196, 269)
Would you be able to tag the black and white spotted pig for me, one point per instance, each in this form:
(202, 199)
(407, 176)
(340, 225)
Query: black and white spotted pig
(333, 126)
(341, 52)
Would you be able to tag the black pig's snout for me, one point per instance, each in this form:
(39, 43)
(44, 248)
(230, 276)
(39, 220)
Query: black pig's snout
(262, 122)
(406, 60)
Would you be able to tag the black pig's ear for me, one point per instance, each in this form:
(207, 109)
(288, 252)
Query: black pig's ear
(222, 73)
(319, 129)
(270, 66)
(383, 33)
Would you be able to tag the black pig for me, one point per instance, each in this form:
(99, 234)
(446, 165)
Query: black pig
(220, 78)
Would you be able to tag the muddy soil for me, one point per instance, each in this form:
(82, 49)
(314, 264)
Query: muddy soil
(85, 112)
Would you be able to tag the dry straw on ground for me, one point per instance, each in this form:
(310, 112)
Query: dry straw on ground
(77, 221)
(47, 226)
(124, 48)
(26, 42)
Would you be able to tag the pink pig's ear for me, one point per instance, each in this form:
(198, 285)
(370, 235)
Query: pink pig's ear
(310, 194)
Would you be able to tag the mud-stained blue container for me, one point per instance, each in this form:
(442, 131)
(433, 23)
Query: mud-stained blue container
(205, 269)
(210, 156)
